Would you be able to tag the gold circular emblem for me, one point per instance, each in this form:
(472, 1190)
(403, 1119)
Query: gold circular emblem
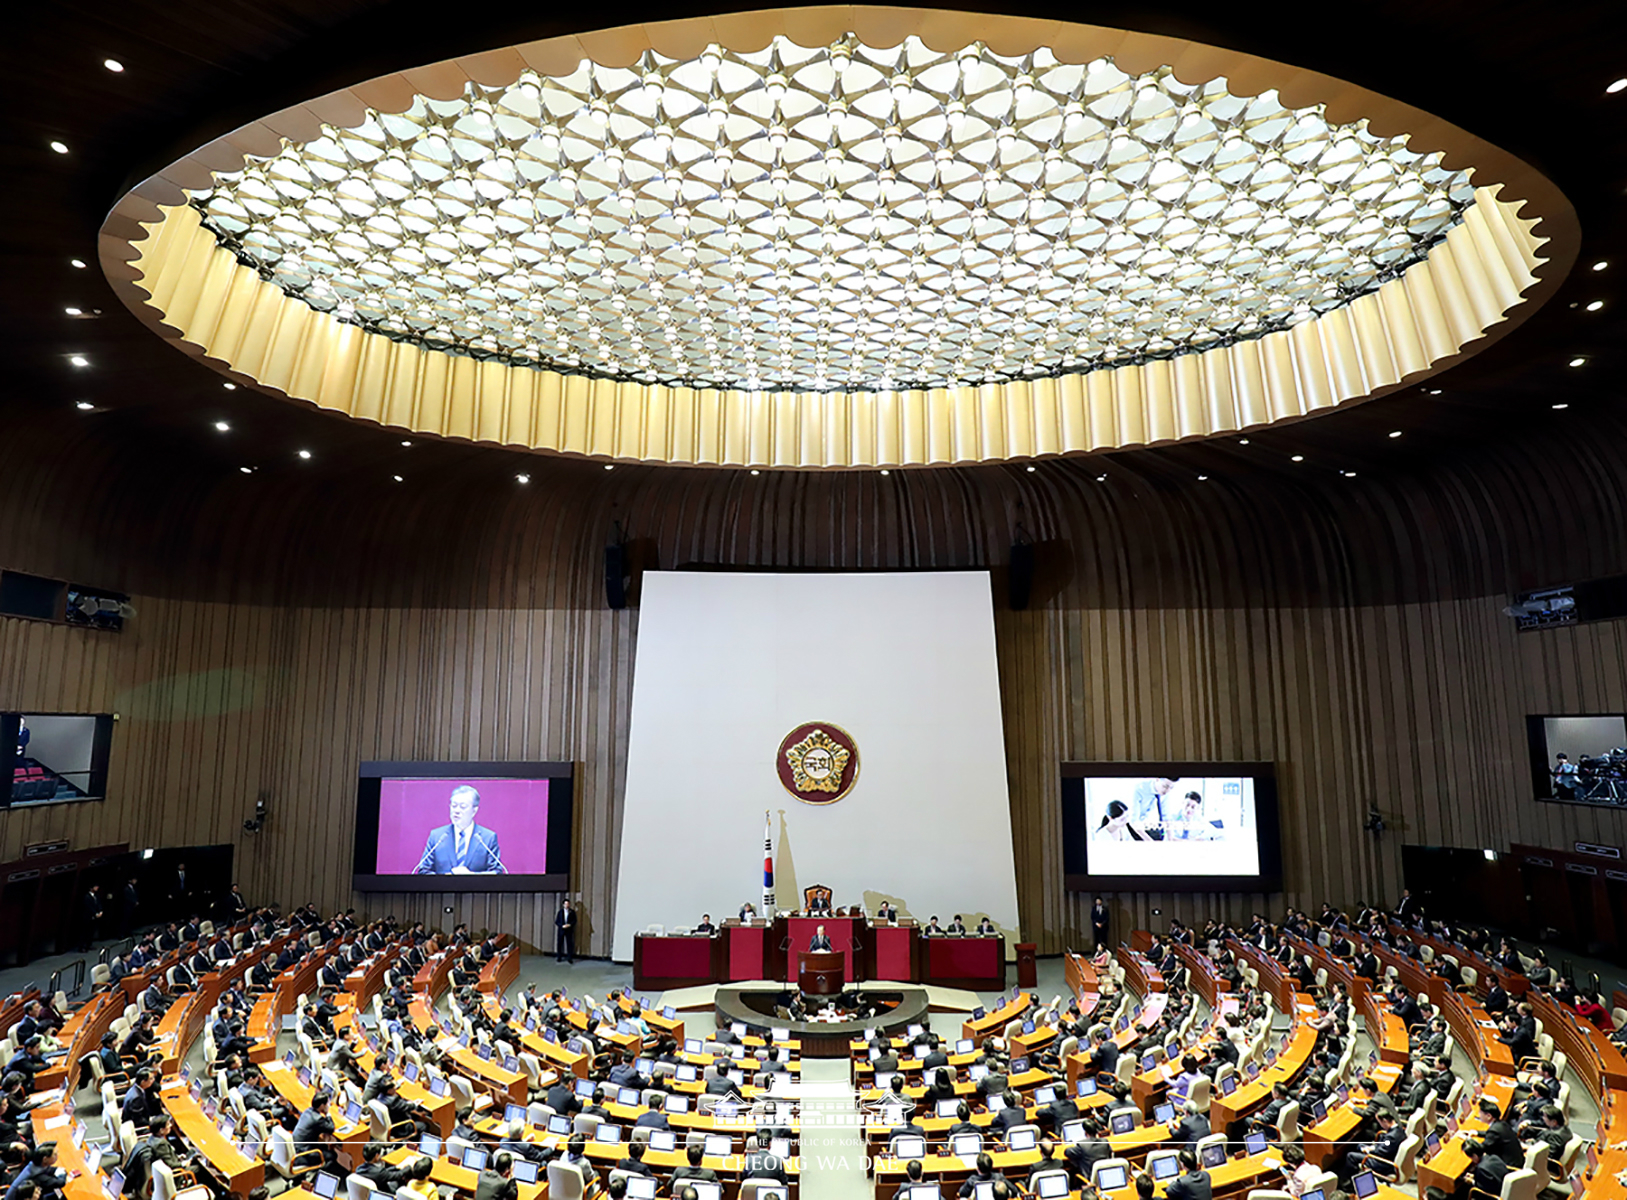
(818, 762)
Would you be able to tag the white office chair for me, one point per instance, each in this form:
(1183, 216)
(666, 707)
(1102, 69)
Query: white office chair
(1199, 1095)
(565, 1181)
(360, 1187)
(1288, 1122)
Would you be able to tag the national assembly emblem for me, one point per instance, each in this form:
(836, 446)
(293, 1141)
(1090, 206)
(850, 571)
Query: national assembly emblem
(818, 762)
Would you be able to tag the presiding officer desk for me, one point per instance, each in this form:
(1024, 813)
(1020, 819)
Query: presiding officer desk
(742, 951)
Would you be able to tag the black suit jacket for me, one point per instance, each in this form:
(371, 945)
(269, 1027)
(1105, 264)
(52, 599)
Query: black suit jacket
(1194, 1185)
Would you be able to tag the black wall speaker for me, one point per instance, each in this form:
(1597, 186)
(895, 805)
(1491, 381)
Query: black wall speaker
(615, 576)
(1020, 575)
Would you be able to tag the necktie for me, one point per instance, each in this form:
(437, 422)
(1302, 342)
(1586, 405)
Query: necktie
(463, 844)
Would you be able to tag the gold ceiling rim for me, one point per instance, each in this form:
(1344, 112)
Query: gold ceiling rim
(1510, 252)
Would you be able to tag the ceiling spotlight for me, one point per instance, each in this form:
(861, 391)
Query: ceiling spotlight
(77, 263)
(72, 312)
(1242, 441)
(113, 64)
(1299, 458)
(306, 454)
(1032, 467)
(885, 471)
(1558, 407)
(59, 147)
(1395, 433)
(397, 478)
(246, 470)
(230, 387)
(1578, 361)
(1600, 265)
(522, 479)
(1615, 87)
(79, 360)
(1432, 391)
(1202, 478)
(406, 443)
(1595, 306)
(223, 427)
(1101, 479)
(755, 471)
(84, 406)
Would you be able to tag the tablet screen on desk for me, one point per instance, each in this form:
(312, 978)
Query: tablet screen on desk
(663, 1139)
(946, 1108)
(1073, 1131)
(692, 1045)
(965, 1046)
(1122, 1122)
(920, 1191)
(686, 1073)
(1165, 1167)
(1163, 1114)
(514, 1112)
(607, 1134)
(677, 1104)
(1111, 1179)
(1052, 1186)
(967, 1145)
(525, 1170)
(1255, 1143)
(437, 1086)
(629, 1096)
(429, 1145)
(326, 1186)
(1087, 1086)
(705, 1189)
(642, 1187)
(559, 1123)
(1228, 1085)
(1363, 1184)
(1022, 1139)
(583, 1088)
(718, 1145)
(1213, 1155)
(474, 1158)
(909, 1146)
(1044, 1095)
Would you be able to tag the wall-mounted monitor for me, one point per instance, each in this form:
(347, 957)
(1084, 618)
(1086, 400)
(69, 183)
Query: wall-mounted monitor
(463, 826)
(1579, 758)
(54, 758)
(1170, 827)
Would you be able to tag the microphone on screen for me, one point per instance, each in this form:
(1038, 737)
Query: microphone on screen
(491, 851)
(429, 857)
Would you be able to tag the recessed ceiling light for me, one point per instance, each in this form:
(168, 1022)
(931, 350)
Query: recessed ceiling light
(1101, 479)
(1557, 407)
(79, 360)
(1242, 441)
(1578, 361)
(1595, 306)
(1432, 391)
(1201, 478)
(305, 454)
(1615, 87)
(885, 471)
(246, 470)
(406, 443)
(77, 263)
(113, 64)
(755, 471)
(223, 427)
(1032, 467)
(522, 479)
(84, 406)
(610, 466)
(1348, 474)
(230, 387)
(71, 311)
(397, 478)
(59, 147)
(1601, 265)
(1299, 458)
(1395, 433)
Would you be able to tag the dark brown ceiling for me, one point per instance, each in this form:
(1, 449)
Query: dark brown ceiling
(1528, 78)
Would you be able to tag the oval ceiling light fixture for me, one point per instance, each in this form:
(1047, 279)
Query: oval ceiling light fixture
(841, 237)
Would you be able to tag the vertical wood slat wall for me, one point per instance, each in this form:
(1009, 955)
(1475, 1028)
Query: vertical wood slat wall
(1357, 642)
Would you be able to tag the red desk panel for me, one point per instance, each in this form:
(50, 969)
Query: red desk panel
(838, 929)
(663, 962)
(977, 962)
(894, 949)
(746, 945)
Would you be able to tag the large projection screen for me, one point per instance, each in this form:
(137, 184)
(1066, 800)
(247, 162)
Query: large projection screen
(729, 664)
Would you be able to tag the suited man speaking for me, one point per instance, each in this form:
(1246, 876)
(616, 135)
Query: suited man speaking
(463, 847)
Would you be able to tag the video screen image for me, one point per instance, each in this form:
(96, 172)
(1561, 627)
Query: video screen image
(1579, 759)
(463, 827)
(1171, 826)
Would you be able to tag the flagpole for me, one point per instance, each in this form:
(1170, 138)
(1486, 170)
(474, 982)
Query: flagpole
(768, 866)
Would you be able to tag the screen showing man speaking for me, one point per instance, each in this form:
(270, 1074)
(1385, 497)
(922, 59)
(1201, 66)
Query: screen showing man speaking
(487, 829)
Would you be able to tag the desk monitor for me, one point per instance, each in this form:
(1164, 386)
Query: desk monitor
(909, 1145)
(1086, 1086)
(514, 1112)
(1213, 1155)
(304, 1078)
(1255, 1143)
(1363, 1185)
(559, 1123)
(719, 1145)
(629, 1096)
(115, 1184)
(946, 1108)
(409, 1071)
(1022, 1139)
(726, 1110)
(976, 1072)
(1319, 1110)
(738, 1028)
(353, 1112)
(1073, 1131)
(474, 1158)
(1165, 1166)
(677, 1104)
(917, 1191)
(584, 1088)
(437, 1086)
(511, 1063)
(914, 1030)
(1340, 1095)
(1432, 1143)
(531, 1024)
(1028, 1027)
(1052, 1185)
(686, 1073)
(642, 1187)
(1313, 1194)
(996, 1103)
(884, 1079)
(525, 1171)
(1112, 1178)
(1018, 1066)
(670, 1013)
(1121, 1024)
(325, 1185)
(965, 1046)
(967, 1145)
(1173, 1050)
(663, 1139)
(429, 1146)
(1044, 1095)
(983, 1190)
(705, 1189)
(692, 1045)
(1228, 1085)
(607, 1133)
(1122, 1122)
(1163, 1114)
(1149, 1060)
(979, 1013)
(496, 827)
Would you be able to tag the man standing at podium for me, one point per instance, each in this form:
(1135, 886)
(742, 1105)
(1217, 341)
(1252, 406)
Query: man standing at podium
(819, 941)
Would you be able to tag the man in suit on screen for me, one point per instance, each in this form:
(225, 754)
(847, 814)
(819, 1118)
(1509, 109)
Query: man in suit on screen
(463, 847)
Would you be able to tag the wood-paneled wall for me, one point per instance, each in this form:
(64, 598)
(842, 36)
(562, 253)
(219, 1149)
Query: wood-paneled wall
(288, 629)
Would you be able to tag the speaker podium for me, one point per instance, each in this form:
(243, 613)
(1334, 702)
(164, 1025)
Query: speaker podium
(820, 972)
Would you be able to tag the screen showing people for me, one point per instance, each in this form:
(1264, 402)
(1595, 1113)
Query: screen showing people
(463, 827)
(1580, 759)
(1164, 826)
